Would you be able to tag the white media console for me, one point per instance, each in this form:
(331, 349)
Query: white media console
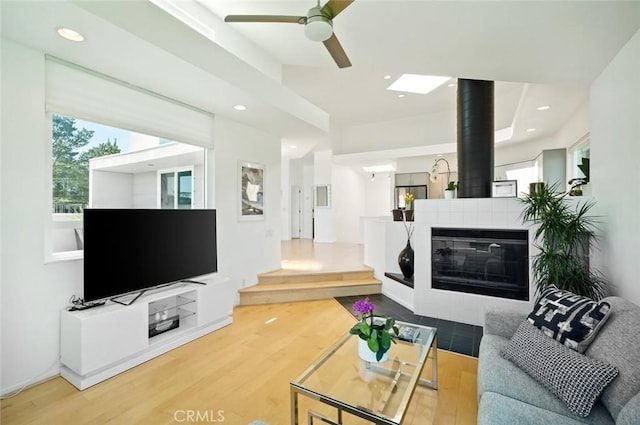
(101, 342)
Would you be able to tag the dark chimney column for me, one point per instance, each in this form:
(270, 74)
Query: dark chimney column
(475, 138)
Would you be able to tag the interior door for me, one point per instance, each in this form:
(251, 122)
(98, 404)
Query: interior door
(296, 212)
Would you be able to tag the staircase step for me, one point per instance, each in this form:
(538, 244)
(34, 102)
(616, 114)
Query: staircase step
(285, 276)
(264, 293)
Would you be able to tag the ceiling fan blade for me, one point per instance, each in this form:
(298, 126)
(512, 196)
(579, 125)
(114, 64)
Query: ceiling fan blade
(337, 52)
(266, 18)
(333, 7)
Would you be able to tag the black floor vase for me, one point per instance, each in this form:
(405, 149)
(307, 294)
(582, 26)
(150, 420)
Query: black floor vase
(405, 261)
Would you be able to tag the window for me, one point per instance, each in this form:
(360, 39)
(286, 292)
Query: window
(172, 183)
(524, 172)
(580, 154)
(119, 168)
(100, 166)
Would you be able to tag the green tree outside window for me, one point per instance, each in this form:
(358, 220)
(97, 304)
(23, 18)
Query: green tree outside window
(71, 163)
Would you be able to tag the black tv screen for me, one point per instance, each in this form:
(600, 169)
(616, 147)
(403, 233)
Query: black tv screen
(129, 250)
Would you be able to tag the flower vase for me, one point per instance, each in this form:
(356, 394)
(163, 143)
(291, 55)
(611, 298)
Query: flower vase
(408, 215)
(367, 355)
(405, 261)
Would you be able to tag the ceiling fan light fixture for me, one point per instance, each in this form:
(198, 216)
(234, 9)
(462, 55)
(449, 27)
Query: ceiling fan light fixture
(318, 26)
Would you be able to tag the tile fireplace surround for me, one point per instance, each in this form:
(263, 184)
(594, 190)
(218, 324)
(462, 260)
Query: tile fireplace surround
(383, 240)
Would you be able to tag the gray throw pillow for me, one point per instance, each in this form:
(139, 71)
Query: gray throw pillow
(571, 319)
(574, 378)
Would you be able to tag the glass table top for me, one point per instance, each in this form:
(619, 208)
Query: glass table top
(374, 390)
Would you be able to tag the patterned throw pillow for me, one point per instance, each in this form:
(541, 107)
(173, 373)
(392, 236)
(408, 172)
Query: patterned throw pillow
(574, 378)
(571, 319)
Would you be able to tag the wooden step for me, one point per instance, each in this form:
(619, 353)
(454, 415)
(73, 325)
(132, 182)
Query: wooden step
(266, 293)
(288, 276)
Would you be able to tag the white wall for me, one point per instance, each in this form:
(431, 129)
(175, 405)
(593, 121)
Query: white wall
(139, 190)
(518, 152)
(285, 199)
(324, 218)
(399, 133)
(383, 241)
(307, 193)
(348, 204)
(574, 129)
(145, 190)
(615, 175)
(199, 176)
(378, 195)
(33, 293)
(111, 190)
(246, 248)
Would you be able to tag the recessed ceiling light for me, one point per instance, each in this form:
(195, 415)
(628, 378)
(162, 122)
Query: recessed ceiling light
(401, 95)
(69, 34)
(240, 108)
(451, 85)
(421, 84)
(387, 77)
(531, 130)
(543, 107)
(293, 146)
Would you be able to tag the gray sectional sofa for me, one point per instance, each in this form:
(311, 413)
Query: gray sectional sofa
(509, 396)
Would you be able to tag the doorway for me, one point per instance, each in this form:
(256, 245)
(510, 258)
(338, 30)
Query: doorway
(296, 212)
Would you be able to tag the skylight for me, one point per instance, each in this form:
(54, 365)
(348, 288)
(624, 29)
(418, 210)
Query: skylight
(421, 84)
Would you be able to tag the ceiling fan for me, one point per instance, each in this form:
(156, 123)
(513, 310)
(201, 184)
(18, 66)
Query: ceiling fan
(318, 26)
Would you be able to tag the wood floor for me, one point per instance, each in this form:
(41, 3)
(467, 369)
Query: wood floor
(240, 373)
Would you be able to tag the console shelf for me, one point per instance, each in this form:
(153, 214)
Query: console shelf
(101, 342)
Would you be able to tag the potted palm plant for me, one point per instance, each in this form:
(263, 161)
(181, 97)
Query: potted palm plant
(564, 234)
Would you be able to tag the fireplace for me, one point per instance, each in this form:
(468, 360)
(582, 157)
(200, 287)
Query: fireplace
(490, 262)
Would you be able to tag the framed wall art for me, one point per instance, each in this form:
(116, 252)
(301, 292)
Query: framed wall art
(251, 190)
(322, 196)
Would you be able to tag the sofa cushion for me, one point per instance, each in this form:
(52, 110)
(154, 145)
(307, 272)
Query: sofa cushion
(502, 322)
(630, 414)
(619, 345)
(496, 409)
(498, 375)
(571, 319)
(576, 379)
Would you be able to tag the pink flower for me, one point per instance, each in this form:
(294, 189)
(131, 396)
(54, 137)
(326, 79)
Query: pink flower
(363, 306)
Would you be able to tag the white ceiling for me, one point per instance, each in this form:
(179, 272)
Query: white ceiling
(537, 52)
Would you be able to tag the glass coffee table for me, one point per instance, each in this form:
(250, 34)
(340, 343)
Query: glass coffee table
(376, 392)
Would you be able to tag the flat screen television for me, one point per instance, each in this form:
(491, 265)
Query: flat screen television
(131, 250)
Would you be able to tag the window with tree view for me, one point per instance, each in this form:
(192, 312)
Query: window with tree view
(99, 166)
(71, 152)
